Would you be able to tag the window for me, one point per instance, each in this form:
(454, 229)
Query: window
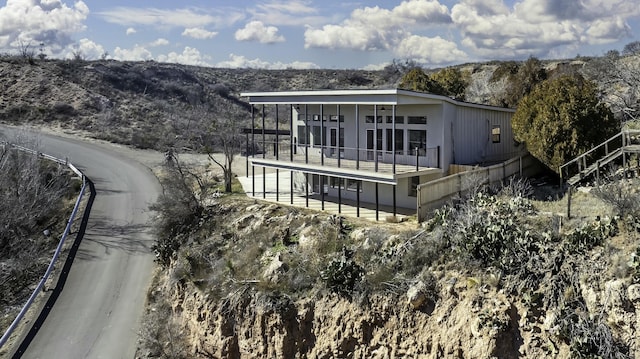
(413, 186)
(399, 140)
(399, 119)
(317, 137)
(417, 120)
(334, 118)
(418, 140)
(333, 139)
(316, 117)
(495, 134)
(369, 119)
(303, 135)
(337, 182)
(352, 185)
(301, 117)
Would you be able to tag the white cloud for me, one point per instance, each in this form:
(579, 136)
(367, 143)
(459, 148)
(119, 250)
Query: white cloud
(287, 13)
(187, 18)
(606, 30)
(430, 50)
(159, 42)
(137, 53)
(376, 67)
(131, 31)
(86, 48)
(199, 33)
(189, 56)
(51, 22)
(540, 27)
(380, 29)
(238, 61)
(257, 31)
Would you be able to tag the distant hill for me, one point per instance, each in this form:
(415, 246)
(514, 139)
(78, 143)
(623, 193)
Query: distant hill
(155, 105)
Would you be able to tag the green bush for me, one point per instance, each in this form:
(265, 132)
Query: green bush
(591, 234)
(562, 118)
(342, 273)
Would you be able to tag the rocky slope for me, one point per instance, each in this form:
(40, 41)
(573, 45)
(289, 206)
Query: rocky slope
(248, 299)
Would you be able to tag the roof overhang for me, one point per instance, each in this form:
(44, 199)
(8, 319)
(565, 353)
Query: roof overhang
(388, 97)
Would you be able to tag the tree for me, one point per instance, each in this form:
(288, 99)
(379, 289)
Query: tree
(530, 74)
(418, 80)
(223, 136)
(619, 80)
(452, 81)
(632, 48)
(562, 118)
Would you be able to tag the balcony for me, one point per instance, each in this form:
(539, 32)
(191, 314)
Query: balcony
(353, 160)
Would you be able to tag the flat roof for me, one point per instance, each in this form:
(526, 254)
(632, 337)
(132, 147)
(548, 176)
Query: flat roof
(359, 97)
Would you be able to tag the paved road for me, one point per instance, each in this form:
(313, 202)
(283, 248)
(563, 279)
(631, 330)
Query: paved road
(97, 312)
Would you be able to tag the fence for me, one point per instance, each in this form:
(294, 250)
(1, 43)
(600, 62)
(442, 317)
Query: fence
(67, 229)
(434, 194)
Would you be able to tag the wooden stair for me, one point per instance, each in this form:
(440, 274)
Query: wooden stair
(592, 161)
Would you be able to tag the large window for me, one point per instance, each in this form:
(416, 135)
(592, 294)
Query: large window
(337, 182)
(333, 141)
(352, 185)
(303, 135)
(418, 140)
(317, 136)
(399, 140)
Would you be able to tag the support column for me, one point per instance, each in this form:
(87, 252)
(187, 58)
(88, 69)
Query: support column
(246, 141)
(393, 139)
(377, 202)
(307, 138)
(276, 149)
(358, 184)
(264, 154)
(322, 139)
(395, 210)
(375, 143)
(357, 137)
(291, 138)
(253, 150)
(338, 130)
(342, 180)
(322, 191)
(306, 189)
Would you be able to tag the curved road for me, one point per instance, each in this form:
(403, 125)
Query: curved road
(97, 313)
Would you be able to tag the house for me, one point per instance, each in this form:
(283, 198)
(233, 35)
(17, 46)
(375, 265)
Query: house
(372, 146)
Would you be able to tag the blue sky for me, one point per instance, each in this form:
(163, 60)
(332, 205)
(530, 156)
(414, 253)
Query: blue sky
(319, 34)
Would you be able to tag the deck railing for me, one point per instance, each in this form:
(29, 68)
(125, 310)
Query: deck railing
(365, 159)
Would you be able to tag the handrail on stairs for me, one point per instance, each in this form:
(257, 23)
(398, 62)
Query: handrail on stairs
(581, 160)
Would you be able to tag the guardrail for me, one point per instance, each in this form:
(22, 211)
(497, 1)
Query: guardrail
(67, 229)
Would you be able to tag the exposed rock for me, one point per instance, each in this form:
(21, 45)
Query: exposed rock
(633, 293)
(417, 295)
(276, 268)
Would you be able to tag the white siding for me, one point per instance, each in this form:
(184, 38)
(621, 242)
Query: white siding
(472, 141)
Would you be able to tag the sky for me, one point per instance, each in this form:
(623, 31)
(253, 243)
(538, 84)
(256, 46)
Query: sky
(329, 34)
